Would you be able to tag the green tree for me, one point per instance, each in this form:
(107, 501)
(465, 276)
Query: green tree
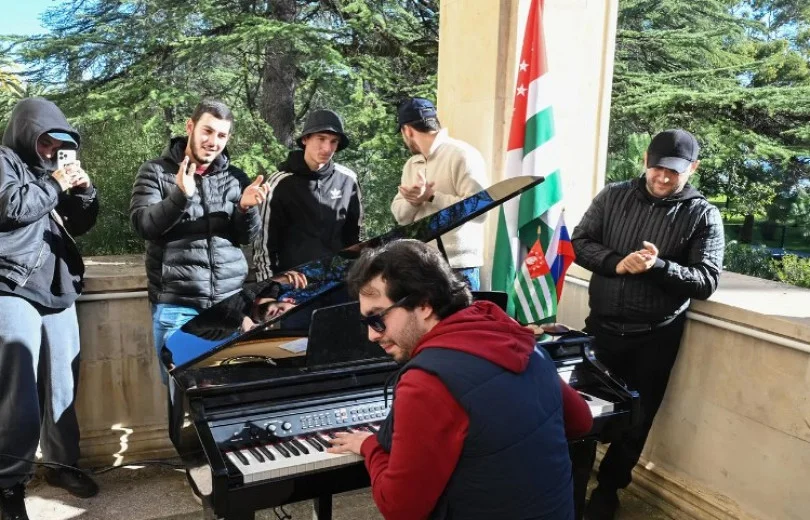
(736, 74)
(628, 162)
(135, 69)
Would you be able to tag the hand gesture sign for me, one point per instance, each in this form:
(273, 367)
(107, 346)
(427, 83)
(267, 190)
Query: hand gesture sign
(254, 194)
(185, 177)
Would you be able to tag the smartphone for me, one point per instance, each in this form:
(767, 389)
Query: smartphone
(65, 157)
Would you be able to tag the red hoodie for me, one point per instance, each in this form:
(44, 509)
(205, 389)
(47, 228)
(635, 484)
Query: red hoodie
(431, 425)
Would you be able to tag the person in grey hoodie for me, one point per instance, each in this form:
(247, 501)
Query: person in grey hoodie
(42, 206)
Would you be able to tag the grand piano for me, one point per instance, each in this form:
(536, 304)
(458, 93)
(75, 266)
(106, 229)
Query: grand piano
(254, 396)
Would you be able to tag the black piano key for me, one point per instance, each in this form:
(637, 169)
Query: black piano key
(241, 456)
(267, 452)
(322, 440)
(314, 443)
(258, 456)
(281, 449)
(292, 449)
(303, 449)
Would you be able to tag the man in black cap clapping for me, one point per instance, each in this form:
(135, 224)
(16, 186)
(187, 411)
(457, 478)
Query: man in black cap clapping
(652, 243)
(441, 172)
(314, 207)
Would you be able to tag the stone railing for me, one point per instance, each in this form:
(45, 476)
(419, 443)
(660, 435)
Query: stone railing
(121, 403)
(732, 439)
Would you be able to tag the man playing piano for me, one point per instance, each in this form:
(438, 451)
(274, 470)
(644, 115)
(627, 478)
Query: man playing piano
(479, 418)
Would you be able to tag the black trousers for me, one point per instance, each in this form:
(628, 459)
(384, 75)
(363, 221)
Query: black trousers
(644, 362)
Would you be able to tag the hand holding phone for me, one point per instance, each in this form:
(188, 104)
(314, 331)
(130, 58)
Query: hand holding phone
(65, 157)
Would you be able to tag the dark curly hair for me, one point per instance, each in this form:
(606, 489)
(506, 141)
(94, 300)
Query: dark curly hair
(414, 269)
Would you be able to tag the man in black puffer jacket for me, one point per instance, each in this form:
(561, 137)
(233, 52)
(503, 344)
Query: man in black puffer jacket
(652, 243)
(194, 208)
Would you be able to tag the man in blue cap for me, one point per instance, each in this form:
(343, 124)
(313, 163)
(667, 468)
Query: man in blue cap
(441, 172)
(313, 208)
(42, 207)
(653, 244)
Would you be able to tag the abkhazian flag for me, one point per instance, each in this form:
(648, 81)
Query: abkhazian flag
(532, 248)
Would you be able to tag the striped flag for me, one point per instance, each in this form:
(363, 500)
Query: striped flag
(532, 248)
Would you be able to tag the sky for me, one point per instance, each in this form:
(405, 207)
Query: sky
(23, 18)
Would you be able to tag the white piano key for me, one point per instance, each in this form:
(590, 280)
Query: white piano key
(598, 406)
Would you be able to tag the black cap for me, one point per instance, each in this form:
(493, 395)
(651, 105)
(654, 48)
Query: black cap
(674, 149)
(324, 121)
(414, 109)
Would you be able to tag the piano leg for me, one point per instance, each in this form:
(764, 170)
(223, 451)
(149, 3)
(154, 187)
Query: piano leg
(322, 508)
(583, 454)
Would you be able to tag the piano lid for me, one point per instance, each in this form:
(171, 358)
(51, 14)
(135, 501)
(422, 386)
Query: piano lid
(243, 318)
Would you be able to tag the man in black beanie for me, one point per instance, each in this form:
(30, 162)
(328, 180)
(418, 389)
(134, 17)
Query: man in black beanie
(314, 207)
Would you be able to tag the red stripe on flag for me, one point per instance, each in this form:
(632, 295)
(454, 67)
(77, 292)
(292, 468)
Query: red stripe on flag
(533, 55)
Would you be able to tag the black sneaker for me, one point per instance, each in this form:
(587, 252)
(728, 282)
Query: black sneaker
(12, 503)
(602, 505)
(73, 481)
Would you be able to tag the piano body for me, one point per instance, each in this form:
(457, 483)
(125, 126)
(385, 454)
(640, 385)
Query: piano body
(253, 401)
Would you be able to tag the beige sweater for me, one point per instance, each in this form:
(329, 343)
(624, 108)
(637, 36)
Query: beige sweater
(458, 171)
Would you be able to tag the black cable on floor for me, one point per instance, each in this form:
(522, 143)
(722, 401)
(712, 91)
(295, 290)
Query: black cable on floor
(90, 473)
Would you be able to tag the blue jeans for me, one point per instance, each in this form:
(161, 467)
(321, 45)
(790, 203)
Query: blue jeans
(38, 353)
(471, 275)
(167, 318)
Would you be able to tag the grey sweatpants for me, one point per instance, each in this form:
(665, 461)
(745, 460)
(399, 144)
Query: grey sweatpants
(39, 368)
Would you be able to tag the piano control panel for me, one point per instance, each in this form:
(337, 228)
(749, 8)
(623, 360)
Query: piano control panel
(300, 422)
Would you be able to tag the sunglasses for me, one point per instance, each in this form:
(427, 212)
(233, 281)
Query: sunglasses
(375, 321)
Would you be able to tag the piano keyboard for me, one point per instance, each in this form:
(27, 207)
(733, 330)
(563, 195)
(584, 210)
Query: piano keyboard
(287, 444)
(292, 456)
(294, 442)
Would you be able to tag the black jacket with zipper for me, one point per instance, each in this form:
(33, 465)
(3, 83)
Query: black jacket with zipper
(685, 227)
(309, 215)
(39, 260)
(193, 256)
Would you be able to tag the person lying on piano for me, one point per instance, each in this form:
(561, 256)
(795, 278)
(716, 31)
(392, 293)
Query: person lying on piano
(480, 417)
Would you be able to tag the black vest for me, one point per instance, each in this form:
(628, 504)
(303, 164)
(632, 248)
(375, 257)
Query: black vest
(514, 464)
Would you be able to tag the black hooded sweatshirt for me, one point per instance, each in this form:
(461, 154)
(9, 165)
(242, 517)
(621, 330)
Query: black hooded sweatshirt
(685, 227)
(39, 260)
(309, 215)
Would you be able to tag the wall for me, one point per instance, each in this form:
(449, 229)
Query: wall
(732, 438)
(121, 402)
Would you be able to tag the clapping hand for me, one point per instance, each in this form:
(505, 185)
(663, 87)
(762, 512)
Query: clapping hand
(639, 261)
(185, 178)
(419, 192)
(254, 194)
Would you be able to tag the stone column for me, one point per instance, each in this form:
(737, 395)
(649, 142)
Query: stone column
(479, 44)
